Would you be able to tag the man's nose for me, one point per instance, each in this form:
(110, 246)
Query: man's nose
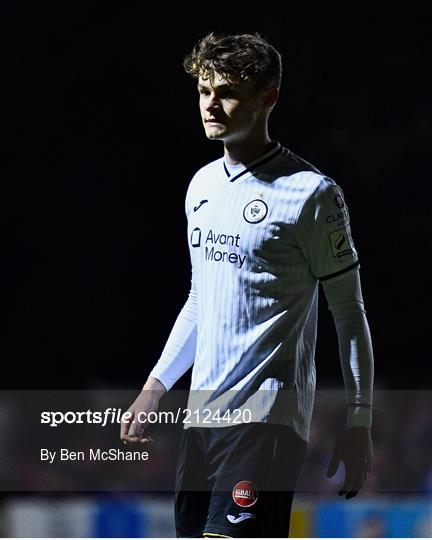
(213, 102)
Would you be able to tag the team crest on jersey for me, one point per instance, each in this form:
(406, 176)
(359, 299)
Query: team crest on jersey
(255, 211)
(245, 494)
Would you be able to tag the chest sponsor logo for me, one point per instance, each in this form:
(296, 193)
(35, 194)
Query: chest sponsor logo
(196, 237)
(255, 211)
(245, 494)
(215, 246)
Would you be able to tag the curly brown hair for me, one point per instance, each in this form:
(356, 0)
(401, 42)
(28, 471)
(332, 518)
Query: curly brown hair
(237, 58)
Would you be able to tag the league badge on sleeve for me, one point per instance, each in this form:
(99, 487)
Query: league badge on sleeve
(255, 211)
(341, 242)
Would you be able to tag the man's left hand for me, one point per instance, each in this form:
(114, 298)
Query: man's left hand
(354, 448)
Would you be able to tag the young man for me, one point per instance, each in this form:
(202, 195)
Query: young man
(264, 228)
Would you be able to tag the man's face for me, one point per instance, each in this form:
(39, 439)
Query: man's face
(229, 112)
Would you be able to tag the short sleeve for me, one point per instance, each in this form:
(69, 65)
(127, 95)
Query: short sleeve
(324, 233)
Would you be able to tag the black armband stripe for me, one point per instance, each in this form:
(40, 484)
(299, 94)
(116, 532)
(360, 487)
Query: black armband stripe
(340, 272)
(359, 405)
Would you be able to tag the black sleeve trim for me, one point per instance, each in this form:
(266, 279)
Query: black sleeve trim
(340, 272)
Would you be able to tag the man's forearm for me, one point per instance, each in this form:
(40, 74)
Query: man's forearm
(355, 347)
(178, 354)
(356, 358)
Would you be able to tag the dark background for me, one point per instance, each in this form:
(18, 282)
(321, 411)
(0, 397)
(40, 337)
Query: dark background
(102, 135)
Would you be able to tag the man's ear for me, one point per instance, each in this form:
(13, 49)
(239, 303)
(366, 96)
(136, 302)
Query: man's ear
(270, 96)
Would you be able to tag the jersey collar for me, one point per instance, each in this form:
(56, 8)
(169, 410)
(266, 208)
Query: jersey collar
(256, 163)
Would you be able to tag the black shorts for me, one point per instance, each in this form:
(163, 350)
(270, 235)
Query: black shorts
(237, 481)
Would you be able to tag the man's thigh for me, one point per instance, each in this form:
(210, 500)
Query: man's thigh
(237, 481)
(255, 482)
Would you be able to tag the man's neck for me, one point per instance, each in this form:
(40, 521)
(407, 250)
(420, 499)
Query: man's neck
(246, 151)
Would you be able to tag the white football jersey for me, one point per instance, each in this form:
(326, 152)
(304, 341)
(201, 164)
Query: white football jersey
(260, 241)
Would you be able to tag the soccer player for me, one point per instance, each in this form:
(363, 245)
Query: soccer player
(265, 227)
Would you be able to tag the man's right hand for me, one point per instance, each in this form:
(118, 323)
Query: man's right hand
(132, 430)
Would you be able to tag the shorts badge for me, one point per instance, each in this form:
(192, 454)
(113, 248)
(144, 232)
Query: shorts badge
(245, 494)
